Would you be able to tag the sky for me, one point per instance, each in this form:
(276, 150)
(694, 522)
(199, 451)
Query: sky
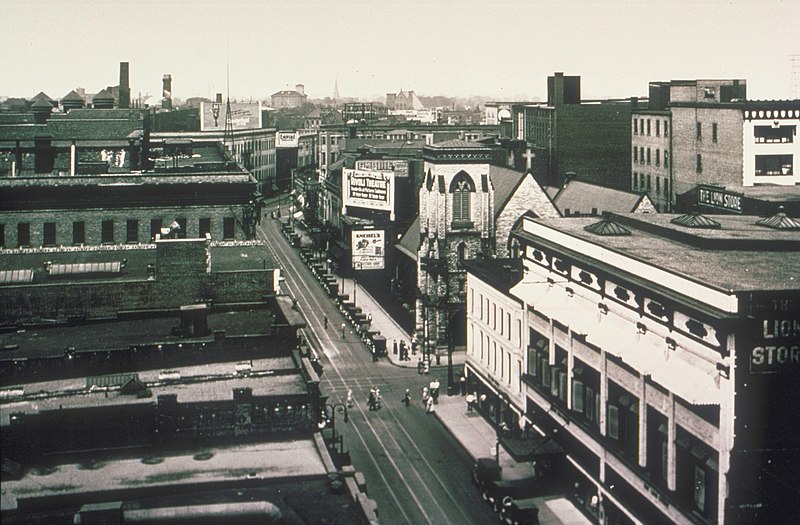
(500, 49)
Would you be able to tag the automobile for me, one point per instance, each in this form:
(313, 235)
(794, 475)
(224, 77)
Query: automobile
(495, 492)
(519, 511)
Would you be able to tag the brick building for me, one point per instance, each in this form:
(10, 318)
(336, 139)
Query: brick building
(657, 351)
(590, 138)
(706, 132)
(194, 188)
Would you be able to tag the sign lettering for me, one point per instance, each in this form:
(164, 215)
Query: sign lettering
(779, 347)
(720, 199)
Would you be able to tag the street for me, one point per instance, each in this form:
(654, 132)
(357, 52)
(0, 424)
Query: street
(414, 469)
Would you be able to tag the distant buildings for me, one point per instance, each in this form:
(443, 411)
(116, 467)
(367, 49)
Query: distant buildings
(577, 197)
(590, 138)
(702, 143)
(406, 104)
(657, 350)
(289, 98)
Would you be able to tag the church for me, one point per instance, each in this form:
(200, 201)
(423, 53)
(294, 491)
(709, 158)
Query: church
(467, 210)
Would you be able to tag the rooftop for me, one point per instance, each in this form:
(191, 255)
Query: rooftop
(738, 256)
(225, 256)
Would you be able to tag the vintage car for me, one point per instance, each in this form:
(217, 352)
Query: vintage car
(519, 511)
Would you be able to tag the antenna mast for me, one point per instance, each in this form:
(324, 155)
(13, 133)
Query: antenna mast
(228, 136)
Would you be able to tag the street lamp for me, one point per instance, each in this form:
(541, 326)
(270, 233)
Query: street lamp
(329, 411)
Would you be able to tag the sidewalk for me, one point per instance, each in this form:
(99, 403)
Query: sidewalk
(470, 429)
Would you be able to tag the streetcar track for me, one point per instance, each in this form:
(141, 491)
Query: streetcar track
(304, 292)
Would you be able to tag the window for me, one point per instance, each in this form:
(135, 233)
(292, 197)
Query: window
(658, 185)
(770, 135)
(635, 154)
(78, 232)
(714, 132)
(462, 253)
(699, 131)
(612, 415)
(155, 228)
(635, 128)
(107, 232)
(132, 231)
(658, 128)
(204, 227)
(658, 157)
(24, 234)
(635, 181)
(641, 126)
(641, 154)
(648, 182)
(228, 228)
(666, 128)
(666, 159)
(181, 228)
(774, 165)
(49, 234)
(699, 166)
(648, 126)
(461, 201)
(648, 156)
(666, 188)
(641, 181)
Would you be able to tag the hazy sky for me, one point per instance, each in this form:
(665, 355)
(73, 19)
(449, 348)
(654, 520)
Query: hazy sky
(504, 50)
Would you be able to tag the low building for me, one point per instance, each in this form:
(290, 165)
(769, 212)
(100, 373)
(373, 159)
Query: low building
(657, 350)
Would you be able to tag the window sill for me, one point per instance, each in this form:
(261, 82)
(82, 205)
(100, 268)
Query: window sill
(462, 225)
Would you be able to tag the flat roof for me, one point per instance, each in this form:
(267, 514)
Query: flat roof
(217, 464)
(44, 341)
(199, 384)
(225, 256)
(656, 241)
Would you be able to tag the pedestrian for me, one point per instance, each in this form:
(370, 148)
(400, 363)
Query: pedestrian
(349, 398)
(407, 398)
(462, 385)
(343, 327)
(378, 399)
(429, 406)
(369, 317)
(425, 394)
(325, 321)
(371, 399)
(470, 401)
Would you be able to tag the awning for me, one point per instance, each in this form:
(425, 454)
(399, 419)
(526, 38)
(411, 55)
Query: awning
(531, 448)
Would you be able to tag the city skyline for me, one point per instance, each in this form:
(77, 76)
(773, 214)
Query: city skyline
(501, 50)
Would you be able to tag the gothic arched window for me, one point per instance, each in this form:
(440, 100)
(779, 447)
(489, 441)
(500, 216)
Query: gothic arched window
(461, 187)
(462, 253)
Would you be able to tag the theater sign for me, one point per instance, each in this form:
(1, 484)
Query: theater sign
(373, 190)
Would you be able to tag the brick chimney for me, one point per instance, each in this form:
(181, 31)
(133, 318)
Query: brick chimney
(300, 89)
(124, 86)
(166, 101)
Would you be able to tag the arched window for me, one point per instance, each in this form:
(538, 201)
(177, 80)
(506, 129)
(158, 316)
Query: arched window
(462, 253)
(461, 187)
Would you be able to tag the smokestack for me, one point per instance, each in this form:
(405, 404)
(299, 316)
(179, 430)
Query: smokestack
(124, 86)
(166, 102)
(41, 111)
(219, 98)
(43, 160)
(301, 89)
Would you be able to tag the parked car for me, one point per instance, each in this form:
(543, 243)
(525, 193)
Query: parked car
(496, 491)
(519, 511)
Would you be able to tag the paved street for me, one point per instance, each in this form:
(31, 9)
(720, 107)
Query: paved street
(415, 470)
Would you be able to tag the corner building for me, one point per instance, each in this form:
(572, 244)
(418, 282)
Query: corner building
(660, 351)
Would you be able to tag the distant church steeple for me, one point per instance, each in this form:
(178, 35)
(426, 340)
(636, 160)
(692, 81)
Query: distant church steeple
(336, 89)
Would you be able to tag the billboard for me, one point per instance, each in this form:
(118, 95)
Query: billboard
(398, 167)
(244, 115)
(287, 139)
(373, 190)
(367, 248)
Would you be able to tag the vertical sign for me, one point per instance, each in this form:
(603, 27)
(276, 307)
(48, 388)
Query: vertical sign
(367, 248)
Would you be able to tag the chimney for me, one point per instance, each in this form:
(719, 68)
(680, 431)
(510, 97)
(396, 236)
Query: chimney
(124, 86)
(166, 101)
(219, 98)
(300, 89)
